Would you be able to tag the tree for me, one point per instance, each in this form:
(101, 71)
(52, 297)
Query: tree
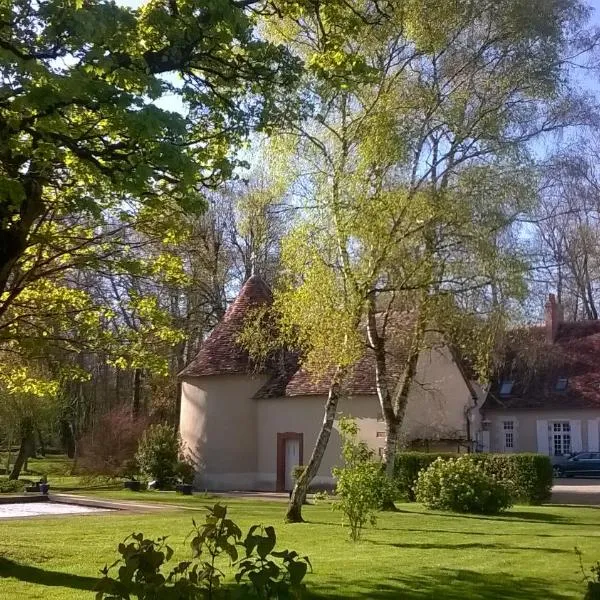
(86, 147)
(419, 117)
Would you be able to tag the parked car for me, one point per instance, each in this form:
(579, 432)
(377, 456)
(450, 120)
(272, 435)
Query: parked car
(581, 463)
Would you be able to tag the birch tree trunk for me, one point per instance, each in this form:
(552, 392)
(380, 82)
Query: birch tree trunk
(294, 511)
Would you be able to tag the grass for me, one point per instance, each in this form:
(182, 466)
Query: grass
(414, 554)
(526, 554)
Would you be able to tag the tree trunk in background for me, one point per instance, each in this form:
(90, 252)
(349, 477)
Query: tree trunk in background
(25, 449)
(9, 441)
(137, 393)
(41, 441)
(294, 511)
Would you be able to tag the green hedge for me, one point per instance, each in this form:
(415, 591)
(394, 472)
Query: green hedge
(409, 465)
(11, 486)
(530, 475)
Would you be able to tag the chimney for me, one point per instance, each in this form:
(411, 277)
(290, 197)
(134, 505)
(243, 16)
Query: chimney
(554, 317)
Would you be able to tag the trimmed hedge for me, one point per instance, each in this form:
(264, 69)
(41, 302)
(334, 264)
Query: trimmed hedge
(409, 465)
(530, 475)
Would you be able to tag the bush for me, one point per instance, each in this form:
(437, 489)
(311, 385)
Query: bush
(11, 486)
(360, 483)
(185, 472)
(407, 467)
(297, 472)
(529, 475)
(460, 485)
(260, 572)
(158, 454)
(113, 441)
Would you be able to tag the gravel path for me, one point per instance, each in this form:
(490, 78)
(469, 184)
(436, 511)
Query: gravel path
(34, 509)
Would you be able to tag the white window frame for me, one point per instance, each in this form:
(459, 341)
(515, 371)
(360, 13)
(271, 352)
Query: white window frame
(560, 437)
(508, 432)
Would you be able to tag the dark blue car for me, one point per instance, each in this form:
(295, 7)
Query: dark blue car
(582, 464)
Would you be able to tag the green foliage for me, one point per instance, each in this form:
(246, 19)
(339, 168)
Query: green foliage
(297, 472)
(158, 453)
(130, 469)
(268, 573)
(11, 486)
(261, 572)
(408, 465)
(459, 485)
(185, 471)
(528, 475)
(592, 578)
(360, 483)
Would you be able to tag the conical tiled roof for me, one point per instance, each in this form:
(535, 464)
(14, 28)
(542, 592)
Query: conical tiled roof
(221, 352)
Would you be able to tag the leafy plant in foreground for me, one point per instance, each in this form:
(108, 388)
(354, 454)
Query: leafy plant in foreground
(361, 483)
(260, 573)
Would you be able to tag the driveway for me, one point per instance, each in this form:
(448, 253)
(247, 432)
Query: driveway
(576, 491)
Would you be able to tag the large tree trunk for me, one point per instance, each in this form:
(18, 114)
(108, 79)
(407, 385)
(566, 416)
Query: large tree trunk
(294, 511)
(393, 406)
(25, 449)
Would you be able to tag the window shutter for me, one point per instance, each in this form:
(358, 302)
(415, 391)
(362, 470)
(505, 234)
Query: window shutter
(576, 444)
(542, 437)
(593, 437)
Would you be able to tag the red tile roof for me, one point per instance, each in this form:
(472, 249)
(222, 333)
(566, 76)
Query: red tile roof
(535, 366)
(221, 352)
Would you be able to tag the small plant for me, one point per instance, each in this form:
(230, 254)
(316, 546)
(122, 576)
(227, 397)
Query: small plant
(158, 453)
(260, 573)
(361, 484)
(130, 469)
(11, 486)
(592, 579)
(185, 472)
(297, 472)
(460, 485)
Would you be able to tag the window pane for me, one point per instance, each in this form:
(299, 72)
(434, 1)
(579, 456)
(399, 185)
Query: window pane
(506, 388)
(508, 425)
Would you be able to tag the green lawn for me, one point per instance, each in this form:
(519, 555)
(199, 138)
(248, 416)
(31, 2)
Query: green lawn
(414, 554)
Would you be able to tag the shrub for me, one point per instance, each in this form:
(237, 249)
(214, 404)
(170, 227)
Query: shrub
(261, 572)
(11, 486)
(297, 472)
(407, 467)
(528, 475)
(158, 453)
(460, 485)
(113, 441)
(185, 472)
(360, 483)
(130, 469)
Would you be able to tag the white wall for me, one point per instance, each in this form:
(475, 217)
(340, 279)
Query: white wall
(218, 426)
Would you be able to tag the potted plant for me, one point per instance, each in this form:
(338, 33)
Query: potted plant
(43, 484)
(130, 471)
(185, 472)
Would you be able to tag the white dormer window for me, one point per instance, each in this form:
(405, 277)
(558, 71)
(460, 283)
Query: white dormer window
(506, 388)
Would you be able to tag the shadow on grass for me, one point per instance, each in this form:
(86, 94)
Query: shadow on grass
(30, 574)
(516, 516)
(447, 584)
(468, 546)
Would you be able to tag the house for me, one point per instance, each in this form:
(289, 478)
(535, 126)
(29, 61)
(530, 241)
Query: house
(248, 425)
(546, 397)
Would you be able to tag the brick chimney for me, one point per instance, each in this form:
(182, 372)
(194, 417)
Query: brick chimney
(554, 317)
